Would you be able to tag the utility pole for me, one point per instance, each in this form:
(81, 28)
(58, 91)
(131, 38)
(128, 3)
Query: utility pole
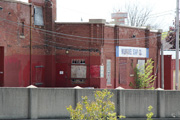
(162, 67)
(177, 45)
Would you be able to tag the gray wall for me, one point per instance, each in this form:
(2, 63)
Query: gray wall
(45, 103)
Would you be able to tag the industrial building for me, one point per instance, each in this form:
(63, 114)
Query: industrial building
(39, 51)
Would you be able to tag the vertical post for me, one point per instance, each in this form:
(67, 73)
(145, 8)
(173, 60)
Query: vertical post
(177, 45)
(162, 67)
(30, 44)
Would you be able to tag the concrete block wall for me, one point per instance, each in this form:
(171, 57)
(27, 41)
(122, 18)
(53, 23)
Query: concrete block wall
(51, 103)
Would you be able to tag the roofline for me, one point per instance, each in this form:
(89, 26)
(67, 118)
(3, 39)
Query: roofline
(112, 25)
(72, 22)
(16, 1)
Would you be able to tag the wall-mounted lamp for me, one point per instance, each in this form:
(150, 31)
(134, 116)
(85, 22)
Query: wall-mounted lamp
(67, 51)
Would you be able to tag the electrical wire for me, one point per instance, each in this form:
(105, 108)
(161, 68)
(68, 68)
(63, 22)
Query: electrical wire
(65, 48)
(47, 32)
(108, 42)
(113, 42)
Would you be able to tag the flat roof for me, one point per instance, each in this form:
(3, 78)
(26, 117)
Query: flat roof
(16, 1)
(171, 52)
(109, 25)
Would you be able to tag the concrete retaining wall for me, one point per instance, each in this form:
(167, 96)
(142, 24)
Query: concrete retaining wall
(50, 103)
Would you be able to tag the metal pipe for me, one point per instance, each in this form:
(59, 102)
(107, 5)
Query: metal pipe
(30, 82)
(162, 67)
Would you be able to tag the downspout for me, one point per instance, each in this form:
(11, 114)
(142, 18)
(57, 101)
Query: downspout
(116, 41)
(30, 41)
(158, 54)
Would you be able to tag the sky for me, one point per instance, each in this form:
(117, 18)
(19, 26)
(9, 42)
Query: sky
(163, 11)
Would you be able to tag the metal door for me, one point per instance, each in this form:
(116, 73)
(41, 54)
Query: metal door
(61, 74)
(1, 66)
(123, 72)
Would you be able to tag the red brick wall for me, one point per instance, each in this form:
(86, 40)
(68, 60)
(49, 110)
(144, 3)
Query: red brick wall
(112, 37)
(144, 38)
(108, 53)
(81, 47)
(17, 48)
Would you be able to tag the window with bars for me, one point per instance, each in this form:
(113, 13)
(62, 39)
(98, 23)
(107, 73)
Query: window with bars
(78, 61)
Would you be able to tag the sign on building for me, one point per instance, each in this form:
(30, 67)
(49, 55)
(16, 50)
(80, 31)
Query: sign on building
(122, 51)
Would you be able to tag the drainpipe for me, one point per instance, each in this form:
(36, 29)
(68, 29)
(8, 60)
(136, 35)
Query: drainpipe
(30, 41)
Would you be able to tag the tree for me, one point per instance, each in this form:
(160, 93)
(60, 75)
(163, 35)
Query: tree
(143, 76)
(171, 37)
(139, 14)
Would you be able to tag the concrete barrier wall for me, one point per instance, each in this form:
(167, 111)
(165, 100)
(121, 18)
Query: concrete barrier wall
(13, 103)
(51, 103)
(134, 103)
(170, 104)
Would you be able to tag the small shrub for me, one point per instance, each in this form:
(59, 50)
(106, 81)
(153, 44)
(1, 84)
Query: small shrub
(149, 114)
(143, 76)
(100, 109)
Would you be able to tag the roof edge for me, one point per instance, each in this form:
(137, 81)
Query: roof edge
(16, 1)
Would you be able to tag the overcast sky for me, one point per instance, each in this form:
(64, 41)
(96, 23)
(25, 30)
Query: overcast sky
(163, 11)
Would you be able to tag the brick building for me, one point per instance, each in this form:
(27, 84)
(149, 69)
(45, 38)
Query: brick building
(25, 56)
(170, 70)
(37, 50)
(95, 44)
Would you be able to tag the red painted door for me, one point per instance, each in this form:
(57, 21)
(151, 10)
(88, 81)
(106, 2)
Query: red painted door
(61, 74)
(1, 66)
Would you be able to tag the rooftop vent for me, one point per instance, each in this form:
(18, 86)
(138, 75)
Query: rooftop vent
(97, 21)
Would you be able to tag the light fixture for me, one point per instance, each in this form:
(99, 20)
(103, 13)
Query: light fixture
(67, 51)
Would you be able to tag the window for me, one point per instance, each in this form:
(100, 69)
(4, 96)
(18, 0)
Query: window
(78, 61)
(141, 65)
(22, 29)
(131, 68)
(38, 16)
(108, 71)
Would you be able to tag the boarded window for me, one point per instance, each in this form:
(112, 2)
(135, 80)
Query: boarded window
(108, 71)
(78, 71)
(38, 16)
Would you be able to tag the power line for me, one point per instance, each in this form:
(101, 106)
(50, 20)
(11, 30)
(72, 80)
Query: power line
(65, 48)
(45, 32)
